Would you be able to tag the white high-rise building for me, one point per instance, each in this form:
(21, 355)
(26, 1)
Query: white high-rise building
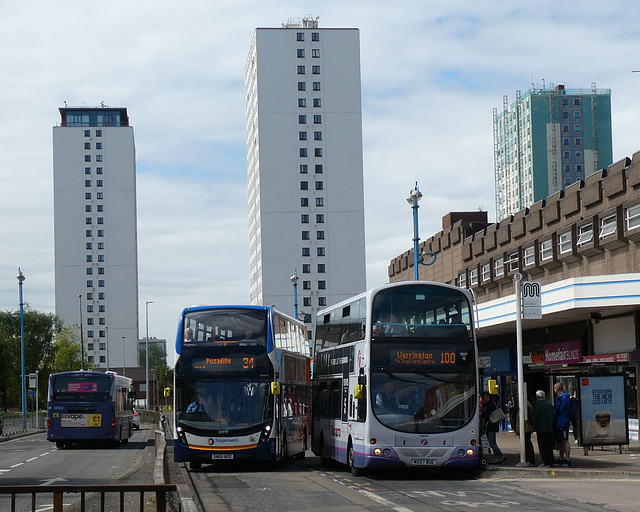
(305, 171)
(96, 248)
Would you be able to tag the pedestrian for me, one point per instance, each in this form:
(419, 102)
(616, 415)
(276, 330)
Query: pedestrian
(575, 417)
(512, 407)
(489, 406)
(542, 421)
(561, 413)
(530, 455)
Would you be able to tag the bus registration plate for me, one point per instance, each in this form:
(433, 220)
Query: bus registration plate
(423, 462)
(222, 456)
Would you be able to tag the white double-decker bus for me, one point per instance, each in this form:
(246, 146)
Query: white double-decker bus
(396, 379)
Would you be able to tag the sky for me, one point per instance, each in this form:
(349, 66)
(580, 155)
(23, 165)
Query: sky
(432, 73)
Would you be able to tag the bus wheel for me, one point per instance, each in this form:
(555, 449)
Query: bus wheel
(194, 464)
(354, 470)
(60, 445)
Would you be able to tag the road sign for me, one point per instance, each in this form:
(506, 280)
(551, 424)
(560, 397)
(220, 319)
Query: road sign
(33, 380)
(531, 300)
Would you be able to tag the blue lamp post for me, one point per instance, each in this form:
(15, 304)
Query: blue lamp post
(414, 196)
(21, 279)
(294, 279)
(146, 355)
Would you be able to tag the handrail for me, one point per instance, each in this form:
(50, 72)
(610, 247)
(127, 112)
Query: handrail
(59, 491)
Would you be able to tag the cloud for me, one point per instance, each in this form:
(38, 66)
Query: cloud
(431, 76)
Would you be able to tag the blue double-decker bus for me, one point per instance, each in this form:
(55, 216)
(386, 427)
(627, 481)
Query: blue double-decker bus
(242, 385)
(89, 406)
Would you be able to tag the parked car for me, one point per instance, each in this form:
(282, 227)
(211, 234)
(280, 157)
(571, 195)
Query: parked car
(136, 419)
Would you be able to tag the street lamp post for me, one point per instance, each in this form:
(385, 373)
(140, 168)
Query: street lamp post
(294, 279)
(123, 357)
(107, 334)
(21, 279)
(146, 353)
(414, 196)
(81, 333)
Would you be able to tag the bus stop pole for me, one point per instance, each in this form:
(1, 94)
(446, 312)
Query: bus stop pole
(521, 395)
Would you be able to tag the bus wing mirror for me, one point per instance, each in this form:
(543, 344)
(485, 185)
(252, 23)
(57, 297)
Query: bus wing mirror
(275, 388)
(358, 391)
(493, 386)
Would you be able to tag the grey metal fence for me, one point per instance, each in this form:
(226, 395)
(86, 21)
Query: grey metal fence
(148, 497)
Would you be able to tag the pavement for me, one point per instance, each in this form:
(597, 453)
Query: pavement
(600, 462)
(14, 434)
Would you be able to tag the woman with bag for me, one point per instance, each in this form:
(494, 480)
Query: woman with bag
(530, 455)
(492, 415)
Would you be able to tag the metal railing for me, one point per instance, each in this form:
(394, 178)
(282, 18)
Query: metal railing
(160, 492)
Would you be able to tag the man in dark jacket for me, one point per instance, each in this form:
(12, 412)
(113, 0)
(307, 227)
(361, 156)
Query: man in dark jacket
(542, 420)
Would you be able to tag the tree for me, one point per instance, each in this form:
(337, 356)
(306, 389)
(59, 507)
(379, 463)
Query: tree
(157, 355)
(39, 331)
(67, 350)
(157, 360)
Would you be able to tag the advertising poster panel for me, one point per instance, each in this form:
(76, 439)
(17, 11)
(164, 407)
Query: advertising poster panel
(604, 418)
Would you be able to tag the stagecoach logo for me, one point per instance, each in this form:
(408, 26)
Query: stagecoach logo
(224, 440)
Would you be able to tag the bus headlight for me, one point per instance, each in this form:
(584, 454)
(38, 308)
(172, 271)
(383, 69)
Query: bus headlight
(264, 436)
(377, 452)
(471, 452)
(182, 436)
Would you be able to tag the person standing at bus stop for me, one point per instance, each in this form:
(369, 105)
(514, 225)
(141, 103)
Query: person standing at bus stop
(561, 412)
(542, 420)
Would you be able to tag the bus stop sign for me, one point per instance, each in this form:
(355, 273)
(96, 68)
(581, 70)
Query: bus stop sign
(531, 300)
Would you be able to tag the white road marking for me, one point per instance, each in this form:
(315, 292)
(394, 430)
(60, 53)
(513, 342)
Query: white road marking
(384, 501)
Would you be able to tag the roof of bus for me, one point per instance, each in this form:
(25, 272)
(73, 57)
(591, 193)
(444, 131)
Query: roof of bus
(225, 306)
(237, 306)
(386, 286)
(88, 373)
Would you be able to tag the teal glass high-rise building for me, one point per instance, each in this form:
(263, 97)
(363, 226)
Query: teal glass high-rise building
(547, 139)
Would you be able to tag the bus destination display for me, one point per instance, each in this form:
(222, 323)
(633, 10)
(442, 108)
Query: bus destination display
(434, 357)
(231, 363)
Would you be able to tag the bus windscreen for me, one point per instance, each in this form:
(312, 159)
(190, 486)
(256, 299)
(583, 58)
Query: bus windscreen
(241, 327)
(81, 389)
